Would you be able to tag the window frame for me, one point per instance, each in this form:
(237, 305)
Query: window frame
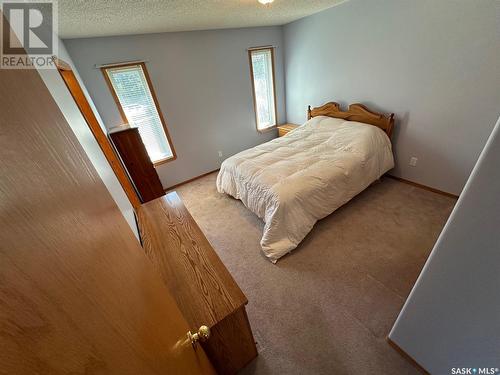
(250, 51)
(142, 64)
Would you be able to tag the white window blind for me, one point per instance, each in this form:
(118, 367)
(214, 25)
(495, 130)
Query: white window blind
(263, 86)
(134, 94)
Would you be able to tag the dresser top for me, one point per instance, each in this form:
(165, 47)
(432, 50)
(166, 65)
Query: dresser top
(287, 126)
(122, 128)
(203, 288)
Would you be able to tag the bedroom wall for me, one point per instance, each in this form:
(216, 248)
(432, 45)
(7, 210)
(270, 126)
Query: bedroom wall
(67, 105)
(433, 63)
(202, 81)
(451, 318)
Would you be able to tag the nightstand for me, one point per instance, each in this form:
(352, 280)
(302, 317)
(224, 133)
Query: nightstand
(285, 128)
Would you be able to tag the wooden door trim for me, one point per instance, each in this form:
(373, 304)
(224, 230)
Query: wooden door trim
(83, 105)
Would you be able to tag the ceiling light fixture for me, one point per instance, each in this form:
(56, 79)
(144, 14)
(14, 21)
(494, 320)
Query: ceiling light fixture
(266, 2)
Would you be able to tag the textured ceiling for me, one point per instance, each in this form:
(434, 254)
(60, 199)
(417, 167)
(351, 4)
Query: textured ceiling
(88, 18)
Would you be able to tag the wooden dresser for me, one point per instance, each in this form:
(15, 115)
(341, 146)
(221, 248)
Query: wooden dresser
(128, 144)
(203, 288)
(285, 128)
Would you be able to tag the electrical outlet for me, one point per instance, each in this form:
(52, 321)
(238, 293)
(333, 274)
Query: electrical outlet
(220, 154)
(413, 161)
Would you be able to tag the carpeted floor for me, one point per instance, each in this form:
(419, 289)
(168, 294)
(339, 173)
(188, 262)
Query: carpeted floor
(327, 307)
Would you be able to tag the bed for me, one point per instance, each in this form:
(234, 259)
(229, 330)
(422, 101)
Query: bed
(293, 181)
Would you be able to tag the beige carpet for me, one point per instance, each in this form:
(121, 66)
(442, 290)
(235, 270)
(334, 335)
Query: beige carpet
(327, 307)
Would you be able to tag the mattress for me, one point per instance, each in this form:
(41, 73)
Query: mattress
(293, 181)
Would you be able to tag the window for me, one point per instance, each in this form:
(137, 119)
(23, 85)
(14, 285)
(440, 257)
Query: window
(264, 98)
(137, 103)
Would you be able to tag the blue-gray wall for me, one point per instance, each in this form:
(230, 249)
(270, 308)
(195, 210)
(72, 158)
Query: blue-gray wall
(452, 316)
(202, 81)
(434, 63)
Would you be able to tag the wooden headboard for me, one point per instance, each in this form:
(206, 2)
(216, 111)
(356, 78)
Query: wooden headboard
(356, 112)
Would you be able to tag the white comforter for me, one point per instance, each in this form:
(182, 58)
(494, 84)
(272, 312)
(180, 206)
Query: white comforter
(293, 181)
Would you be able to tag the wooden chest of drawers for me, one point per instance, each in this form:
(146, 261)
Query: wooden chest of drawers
(135, 159)
(203, 288)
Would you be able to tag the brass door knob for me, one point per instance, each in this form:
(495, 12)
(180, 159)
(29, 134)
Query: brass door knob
(202, 335)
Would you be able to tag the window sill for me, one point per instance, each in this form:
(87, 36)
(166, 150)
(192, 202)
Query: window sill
(163, 161)
(265, 130)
